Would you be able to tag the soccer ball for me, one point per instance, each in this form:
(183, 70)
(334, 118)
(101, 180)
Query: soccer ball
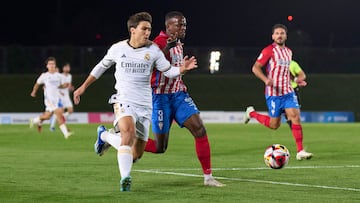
(276, 156)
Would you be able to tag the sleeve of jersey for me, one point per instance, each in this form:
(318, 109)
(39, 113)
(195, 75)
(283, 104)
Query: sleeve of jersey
(104, 64)
(264, 56)
(40, 80)
(173, 72)
(160, 42)
(163, 65)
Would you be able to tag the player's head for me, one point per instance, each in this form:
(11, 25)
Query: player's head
(139, 27)
(51, 64)
(279, 34)
(66, 67)
(175, 23)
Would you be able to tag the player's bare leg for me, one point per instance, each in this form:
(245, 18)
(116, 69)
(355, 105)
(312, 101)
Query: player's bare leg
(60, 119)
(39, 119)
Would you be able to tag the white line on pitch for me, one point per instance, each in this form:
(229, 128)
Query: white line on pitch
(256, 168)
(253, 180)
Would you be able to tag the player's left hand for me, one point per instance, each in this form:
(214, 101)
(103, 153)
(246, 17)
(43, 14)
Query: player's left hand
(190, 63)
(301, 83)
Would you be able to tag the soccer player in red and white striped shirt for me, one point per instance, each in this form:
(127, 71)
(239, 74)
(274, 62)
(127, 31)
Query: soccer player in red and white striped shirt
(279, 94)
(172, 102)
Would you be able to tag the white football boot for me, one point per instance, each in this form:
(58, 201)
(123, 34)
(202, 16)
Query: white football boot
(247, 117)
(303, 155)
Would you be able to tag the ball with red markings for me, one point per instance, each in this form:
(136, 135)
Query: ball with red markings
(276, 156)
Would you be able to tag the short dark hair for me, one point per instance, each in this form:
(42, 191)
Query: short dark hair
(135, 19)
(172, 14)
(50, 58)
(279, 26)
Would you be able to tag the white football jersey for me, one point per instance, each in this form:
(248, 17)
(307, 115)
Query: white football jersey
(133, 71)
(51, 81)
(67, 79)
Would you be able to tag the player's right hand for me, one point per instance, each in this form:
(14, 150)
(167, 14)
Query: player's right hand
(301, 83)
(268, 82)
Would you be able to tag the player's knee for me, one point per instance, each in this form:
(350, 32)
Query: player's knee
(201, 131)
(274, 126)
(198, 130)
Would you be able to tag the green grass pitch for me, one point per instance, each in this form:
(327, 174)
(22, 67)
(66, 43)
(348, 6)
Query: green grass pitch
(44, 167)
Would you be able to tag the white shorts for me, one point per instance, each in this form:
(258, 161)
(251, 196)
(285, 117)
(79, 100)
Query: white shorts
(140, 115)
(66, 101)
(51, 104)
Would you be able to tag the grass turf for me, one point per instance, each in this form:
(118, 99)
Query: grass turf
(44, 167)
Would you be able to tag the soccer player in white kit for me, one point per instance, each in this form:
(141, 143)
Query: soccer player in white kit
(65, 95)
(135, 59)
(52, 81)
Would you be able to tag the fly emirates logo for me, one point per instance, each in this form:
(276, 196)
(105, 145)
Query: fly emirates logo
(134, 67)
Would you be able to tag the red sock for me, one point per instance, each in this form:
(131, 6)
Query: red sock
(263, 119)
(298, 135)
(203, 153)
(150, 146)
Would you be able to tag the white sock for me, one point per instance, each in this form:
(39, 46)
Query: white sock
(53, 121)
(64, 129)
(207, 176)
(113, 139)
(125, 160)
(36, 120)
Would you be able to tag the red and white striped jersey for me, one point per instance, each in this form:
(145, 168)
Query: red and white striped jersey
(164, 85)
(277, 61)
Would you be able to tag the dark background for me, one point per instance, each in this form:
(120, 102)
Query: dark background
(231, 23)
(324, 37)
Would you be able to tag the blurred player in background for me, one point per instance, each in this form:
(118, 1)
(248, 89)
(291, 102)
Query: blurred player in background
(278, 92)
(135, 60)
(172, 102)
(65, 100)
(297, 79)
(52, 81)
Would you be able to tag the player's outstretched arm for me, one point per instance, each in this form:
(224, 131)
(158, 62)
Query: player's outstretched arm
(80, 91)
